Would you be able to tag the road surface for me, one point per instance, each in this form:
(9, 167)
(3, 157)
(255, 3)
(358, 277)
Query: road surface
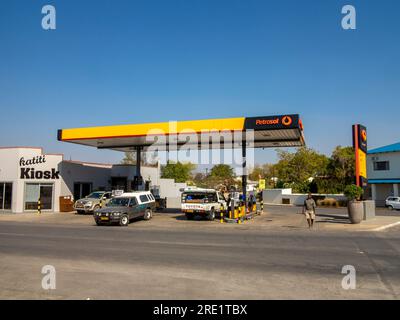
(142, 262)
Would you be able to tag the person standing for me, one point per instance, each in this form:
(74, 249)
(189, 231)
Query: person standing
(309, 210)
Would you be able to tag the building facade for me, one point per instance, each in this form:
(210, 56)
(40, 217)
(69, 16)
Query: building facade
(383, 166)
(27, 175)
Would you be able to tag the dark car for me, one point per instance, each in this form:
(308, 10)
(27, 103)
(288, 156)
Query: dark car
(122, 209)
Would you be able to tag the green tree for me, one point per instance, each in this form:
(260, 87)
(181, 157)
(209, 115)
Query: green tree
(181, 172)
(222, 171)
(342, 165)
(146, 159)
(264, 171)
(340, 171)
(295, 169)
(129, 158)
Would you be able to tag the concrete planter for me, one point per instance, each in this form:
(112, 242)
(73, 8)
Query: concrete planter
(356, 211)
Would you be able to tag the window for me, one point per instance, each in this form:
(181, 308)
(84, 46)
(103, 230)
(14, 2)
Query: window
(143, 198)
(381, 166)
(36, 191)
(133, 202)
(5, 196)
(118, 202)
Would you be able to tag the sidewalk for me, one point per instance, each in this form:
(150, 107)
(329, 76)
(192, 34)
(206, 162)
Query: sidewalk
(48, 217)
(326, 220)
(274, 218)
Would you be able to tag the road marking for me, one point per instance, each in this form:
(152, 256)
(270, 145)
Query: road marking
(387, 226)
(199, 244)
(13, 234)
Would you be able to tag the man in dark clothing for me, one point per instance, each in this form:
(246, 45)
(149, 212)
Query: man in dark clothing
(309, 210)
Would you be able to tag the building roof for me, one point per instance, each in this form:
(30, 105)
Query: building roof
(269, 131)
(389, 148)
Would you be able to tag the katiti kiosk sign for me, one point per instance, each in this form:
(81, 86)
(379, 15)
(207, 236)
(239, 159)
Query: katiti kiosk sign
(28, 171)
(246, 132)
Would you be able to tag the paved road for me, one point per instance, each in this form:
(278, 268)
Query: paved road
(142, 262)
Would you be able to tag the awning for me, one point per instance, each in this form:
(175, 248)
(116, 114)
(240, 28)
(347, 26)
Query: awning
(268, 131)
(383, 181)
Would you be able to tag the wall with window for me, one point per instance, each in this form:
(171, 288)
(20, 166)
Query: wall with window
(79, 178)
(383, 165)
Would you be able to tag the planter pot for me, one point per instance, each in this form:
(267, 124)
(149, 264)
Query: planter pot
(356, 211)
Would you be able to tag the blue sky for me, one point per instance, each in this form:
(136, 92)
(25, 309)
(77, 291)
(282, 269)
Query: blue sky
(116, 62)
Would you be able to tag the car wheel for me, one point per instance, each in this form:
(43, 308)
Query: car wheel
(124, 221)
(148, 214)
(211, 215)
(390, 208)
(96, 207)
(189, 216)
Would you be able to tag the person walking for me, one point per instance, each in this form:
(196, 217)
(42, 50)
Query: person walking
(309, 210)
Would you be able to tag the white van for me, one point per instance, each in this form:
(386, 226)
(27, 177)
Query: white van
(203, 202)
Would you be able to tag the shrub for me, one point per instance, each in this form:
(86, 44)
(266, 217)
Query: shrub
(353, 192)
(328, 202)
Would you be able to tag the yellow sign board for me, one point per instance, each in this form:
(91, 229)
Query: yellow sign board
(362, 160)
(261, 184)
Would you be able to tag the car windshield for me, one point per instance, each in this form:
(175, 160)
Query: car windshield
(118, 202)
(95, 195)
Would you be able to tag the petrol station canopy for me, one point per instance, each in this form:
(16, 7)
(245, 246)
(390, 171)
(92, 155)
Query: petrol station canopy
(268, 131)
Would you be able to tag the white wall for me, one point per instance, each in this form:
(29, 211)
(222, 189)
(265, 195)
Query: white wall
(275, 196)
(394, 160)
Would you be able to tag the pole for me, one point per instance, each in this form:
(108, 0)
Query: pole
(244, 175)
(39, 203)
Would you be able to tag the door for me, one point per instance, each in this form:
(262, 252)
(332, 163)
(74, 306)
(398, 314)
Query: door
(119, 183)
(81, 190)
(134, 208)
(46, 196)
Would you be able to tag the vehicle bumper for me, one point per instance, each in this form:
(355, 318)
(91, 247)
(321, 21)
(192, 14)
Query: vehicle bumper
(107, 220)
(197, 212)
(84, 209)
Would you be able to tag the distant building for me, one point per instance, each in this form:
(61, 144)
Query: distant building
(383, 166)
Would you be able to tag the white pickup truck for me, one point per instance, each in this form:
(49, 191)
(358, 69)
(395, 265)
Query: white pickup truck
(203, 202)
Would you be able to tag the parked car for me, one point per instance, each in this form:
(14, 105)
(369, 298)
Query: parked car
(203, 202)
(92, 202)
(122, 209)
(393, 203)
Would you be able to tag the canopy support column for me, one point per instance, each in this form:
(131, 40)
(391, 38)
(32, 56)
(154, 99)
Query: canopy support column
(244, 174)
(138, 176)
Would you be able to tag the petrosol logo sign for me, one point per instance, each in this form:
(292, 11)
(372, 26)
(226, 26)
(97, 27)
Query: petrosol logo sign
(30, 173)
(263, 122)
